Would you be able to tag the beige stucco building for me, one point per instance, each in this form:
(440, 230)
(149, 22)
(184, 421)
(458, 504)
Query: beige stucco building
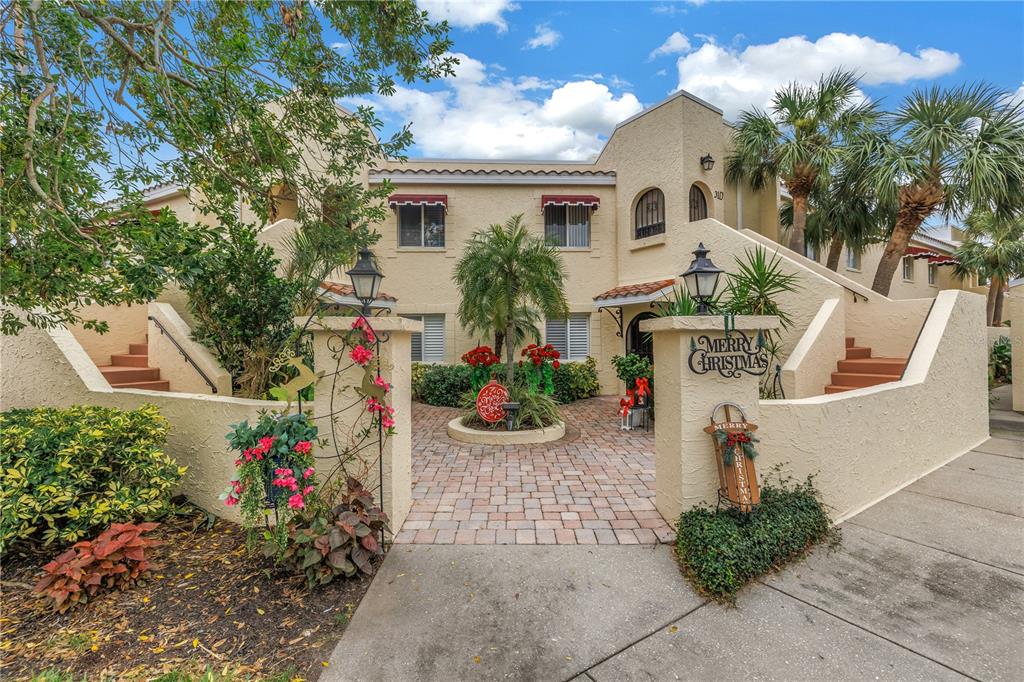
(624, 222)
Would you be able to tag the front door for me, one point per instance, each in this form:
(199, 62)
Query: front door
(639, 342)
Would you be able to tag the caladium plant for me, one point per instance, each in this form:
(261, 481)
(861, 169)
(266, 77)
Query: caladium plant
(324, 542)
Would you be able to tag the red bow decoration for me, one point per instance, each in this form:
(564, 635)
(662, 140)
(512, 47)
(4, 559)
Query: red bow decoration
(627, 402)
(643, 387)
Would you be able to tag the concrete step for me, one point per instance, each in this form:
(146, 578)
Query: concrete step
(832, 388)
(860, 380)
(138, 348)
(891, 366)
(148, 385)
(119, 375)
(857, 352)
(129, 360)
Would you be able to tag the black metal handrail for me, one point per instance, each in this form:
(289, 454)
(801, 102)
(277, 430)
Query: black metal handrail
(184, 354)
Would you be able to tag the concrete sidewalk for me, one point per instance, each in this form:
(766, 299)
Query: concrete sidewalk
(927, 585)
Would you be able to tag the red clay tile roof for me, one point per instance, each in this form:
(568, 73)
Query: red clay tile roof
(346, 290)
(641, 289)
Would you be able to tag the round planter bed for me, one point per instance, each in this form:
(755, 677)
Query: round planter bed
(465, 434)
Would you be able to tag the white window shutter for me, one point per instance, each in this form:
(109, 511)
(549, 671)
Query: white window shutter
(433, 338)
(579, 337)
(555, 333)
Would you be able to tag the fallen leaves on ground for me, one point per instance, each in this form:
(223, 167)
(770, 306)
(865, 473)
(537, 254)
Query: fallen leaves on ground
(207, 603)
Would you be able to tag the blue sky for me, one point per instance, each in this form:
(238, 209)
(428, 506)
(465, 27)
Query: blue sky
(551, 79)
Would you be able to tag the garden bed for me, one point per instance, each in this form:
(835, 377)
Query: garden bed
(500, 436)
(206, 604)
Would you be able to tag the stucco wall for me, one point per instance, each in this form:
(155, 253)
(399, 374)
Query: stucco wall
(672, 257)
(889, 328)
(1016, 305)
(127, 325)
(865, 444)
(809, 367)
(183, 377)
(52, 369)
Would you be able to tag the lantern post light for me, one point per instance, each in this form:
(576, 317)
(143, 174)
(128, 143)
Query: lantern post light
(365, 279)
(701, 279)
(707, 162)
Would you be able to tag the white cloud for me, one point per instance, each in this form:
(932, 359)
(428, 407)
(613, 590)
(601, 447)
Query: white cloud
(734, 79)
(675, 44)
(469, 13)
(480, 115)
(677, 8)
(1018, 95)
(544, 36)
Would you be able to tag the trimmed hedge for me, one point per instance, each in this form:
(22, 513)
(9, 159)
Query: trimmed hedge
(443, 385)
(723, 550)
(576, 381)
(66, 474)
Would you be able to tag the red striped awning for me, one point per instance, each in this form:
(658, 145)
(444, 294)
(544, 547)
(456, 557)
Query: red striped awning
(570, 200)
(918, 252)
(418, 200)
(934, 257)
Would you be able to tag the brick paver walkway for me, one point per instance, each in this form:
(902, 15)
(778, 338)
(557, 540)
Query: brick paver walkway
(595, 486)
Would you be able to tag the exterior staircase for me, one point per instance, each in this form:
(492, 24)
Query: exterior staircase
(859, 369)
(132, 370)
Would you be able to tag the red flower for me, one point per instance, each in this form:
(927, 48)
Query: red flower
(556, 364)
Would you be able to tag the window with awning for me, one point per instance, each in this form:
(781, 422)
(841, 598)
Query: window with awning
(421, 219)
(418, 200)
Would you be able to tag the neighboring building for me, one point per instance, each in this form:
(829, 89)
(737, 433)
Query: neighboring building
(624, 222)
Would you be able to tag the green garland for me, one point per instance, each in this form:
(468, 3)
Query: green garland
(730, 439)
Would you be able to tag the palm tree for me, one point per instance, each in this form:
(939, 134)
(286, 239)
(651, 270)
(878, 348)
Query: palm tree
(993, 248)
(505, 268)
(949, 150)
(838, 217)
(798, 140)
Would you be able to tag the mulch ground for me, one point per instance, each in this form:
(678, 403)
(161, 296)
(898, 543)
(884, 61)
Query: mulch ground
(208, 603)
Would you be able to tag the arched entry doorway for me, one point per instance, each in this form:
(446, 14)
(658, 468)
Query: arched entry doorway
(637, 341)
(698, 204)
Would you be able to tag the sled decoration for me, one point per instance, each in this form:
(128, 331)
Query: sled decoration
(489, 401)
(734, 457)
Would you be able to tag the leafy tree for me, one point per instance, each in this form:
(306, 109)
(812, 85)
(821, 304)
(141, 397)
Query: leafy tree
(505, 268)
(993, 249)
(103, 98)
(952, 151)
(243, 309)
(798, 140)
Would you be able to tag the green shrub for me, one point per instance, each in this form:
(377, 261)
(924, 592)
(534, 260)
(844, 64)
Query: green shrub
(65, 474)
(725, 549)
(1000, 366)
(419, 370)
(443, 385)
(576, 381)
(630, 367)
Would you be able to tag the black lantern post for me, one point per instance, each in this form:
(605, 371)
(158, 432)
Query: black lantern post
(365, 279)
(707, 162)
(701, 279)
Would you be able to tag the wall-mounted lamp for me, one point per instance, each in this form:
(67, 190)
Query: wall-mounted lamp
(707, 162)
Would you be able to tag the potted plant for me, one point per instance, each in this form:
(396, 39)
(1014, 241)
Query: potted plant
(637, 373)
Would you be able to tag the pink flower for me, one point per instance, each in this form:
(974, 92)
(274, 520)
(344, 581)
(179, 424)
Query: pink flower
(307, 473)
(303, 447)
(387, 422)
(296, 501)
(361, 355)
(374, 405)
(266, 443)
(307, 490)
(383, 384)
(230, 501)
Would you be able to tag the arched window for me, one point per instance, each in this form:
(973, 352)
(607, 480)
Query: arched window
(282, 203)
(698, 204)
(649, 218)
